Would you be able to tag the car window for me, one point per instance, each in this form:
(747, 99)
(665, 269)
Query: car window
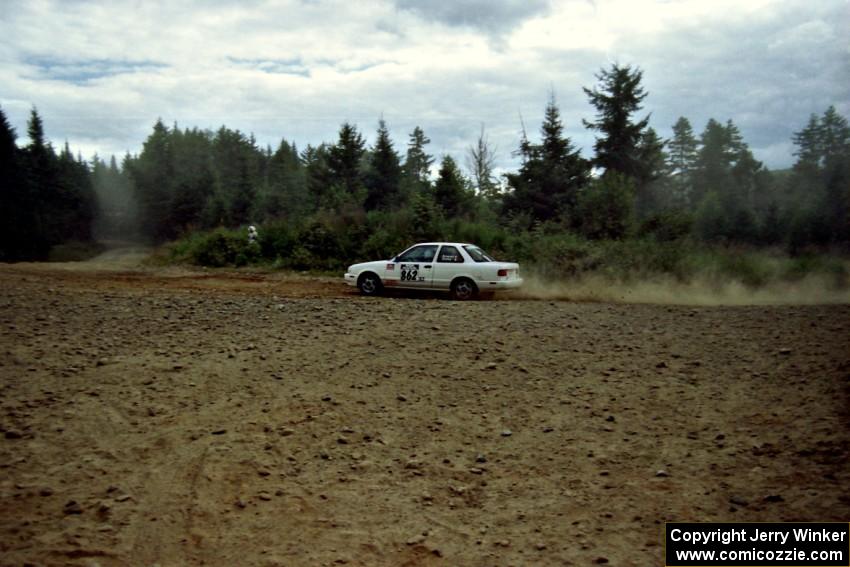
(424, 253)
(478, 254)
(450, 254)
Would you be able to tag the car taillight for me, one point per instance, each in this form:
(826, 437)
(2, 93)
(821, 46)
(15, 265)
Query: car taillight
(502, 273)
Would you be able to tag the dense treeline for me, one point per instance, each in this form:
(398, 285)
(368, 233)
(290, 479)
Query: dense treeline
(46, 199)
(324, 205)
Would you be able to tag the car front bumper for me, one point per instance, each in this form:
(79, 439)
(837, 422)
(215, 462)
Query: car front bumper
(351, 279)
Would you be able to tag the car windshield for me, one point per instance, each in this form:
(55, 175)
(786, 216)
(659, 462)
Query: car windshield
(478, 254)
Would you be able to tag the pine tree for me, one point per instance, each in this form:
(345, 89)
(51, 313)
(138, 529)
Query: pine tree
(808, 152)
(74, 206)
(238, 167)
(345, 167)
(682, 157)
(426, 217)
(12, 197)
(153, 173)
(35, 130)
(714, 161)
(651, 187)
(417, 163)
(194, 179)
(41, 158)
(284, 194)
(451, 190)
(616, 98)
(317, 177)
(834, 134)
(551, 175)
(835, 144)
(480, 161)
(384, 176)
(20, 238)
(59, 198)
(729, 177)
(103, 184)
(244, 191)
(42, 178)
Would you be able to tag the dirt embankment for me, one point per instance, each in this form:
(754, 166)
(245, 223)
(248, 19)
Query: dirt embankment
(175, 417)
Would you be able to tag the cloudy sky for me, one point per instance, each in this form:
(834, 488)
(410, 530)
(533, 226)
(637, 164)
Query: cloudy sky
(101, 73)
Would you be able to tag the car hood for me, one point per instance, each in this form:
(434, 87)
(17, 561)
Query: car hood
(354, 268)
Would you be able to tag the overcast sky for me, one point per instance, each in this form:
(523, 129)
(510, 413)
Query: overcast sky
(101, 73)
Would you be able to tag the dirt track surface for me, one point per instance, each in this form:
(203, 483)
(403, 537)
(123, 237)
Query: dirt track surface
(175, 418)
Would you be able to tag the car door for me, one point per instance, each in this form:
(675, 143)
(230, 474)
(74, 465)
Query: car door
(415, 266)
(449, 264)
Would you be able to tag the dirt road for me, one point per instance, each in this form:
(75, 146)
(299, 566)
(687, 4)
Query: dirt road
(173, 417)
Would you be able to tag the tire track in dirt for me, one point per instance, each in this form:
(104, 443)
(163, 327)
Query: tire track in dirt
(197, 469)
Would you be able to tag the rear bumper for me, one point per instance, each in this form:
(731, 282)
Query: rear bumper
(500, 285)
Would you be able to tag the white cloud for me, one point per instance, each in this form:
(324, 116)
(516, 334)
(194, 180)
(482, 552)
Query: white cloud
(101, 73)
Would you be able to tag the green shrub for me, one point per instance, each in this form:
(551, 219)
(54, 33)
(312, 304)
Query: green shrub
(320, 241)
(301, 259)
(834, 269)
(277, 239)
(605, 207)
(752, 270)
(330, 241)
(710, 222)
(667, 226)
(217, 249)
(646, 257)
(381, 244)
(838, 273)
(719, 265)
(808, 229)
(490, 237)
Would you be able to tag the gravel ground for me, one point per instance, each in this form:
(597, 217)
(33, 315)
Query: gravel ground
(174, 417)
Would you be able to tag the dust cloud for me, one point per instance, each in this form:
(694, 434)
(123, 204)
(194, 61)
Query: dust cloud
(810, 290)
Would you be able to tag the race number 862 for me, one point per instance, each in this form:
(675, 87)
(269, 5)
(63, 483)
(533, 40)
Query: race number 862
(409, 273)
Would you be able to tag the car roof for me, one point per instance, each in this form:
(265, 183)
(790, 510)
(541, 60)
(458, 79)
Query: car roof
(441, 243)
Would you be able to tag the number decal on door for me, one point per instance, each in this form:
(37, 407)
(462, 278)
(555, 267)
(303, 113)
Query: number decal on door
(409, 273)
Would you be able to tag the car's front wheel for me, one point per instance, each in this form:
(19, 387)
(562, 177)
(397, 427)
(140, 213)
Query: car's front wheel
(463, 289)
(369, 284)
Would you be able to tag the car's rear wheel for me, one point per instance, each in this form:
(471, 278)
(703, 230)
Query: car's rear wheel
(369, 284)
(463, 289)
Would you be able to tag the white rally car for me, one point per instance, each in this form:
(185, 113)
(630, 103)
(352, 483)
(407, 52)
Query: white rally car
(462, 269)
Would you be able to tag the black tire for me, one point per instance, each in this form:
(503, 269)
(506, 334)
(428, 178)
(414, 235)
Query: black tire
(464, 289)
(369, 284)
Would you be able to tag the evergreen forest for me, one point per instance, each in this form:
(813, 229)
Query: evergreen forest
(638, 203)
